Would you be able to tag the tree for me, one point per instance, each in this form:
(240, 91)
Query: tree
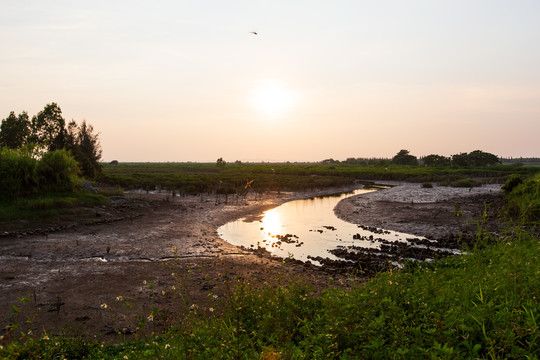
(220, 163)
(14, 130)
(437, 160)
(474, 158)
(404, 158)
(85, 148)
(480, 158)
(48, 128)
(460, 159)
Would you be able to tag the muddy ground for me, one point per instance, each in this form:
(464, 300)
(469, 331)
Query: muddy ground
(100, 271)
(436, 213)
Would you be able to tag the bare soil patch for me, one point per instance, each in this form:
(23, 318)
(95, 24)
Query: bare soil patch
(437, 213)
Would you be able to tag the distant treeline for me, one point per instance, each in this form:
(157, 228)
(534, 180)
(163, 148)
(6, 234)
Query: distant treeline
(477, 158)
(532, 161)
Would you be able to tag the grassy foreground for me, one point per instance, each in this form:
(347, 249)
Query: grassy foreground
(483, 304)
(48, 205)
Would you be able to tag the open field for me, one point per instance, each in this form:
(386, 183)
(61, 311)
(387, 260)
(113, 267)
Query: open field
(194, 178)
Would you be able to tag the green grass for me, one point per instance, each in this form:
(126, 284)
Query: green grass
(48, 205)
(194, 178)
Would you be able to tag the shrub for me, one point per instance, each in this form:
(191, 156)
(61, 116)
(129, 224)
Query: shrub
(466, 183)
(17, 174)
(427, 185)
(524, 200)
(511, 183)
(57, 171)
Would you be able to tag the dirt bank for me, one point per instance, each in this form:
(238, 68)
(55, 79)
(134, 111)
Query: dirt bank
(153, 253)
(436, 213)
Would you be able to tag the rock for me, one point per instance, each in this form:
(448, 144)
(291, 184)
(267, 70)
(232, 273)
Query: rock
(86, 185)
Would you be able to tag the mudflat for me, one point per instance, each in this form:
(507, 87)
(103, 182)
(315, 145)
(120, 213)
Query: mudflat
(145, 257)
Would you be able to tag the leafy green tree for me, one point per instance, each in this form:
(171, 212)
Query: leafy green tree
(437, 160)
(404, 158)
(48, 128)
(460, 159)
(481, 158)
(474, 158)
(14, 130)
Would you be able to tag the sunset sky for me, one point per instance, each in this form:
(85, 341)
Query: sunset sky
(189, 81)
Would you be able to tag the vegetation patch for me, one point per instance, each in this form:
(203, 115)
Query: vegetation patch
(48, 205)
(427, 185)
(465, 183)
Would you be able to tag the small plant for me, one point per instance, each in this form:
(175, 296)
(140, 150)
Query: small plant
(427, 185)
(457, 210)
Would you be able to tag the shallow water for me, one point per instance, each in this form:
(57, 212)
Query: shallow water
(303, 228)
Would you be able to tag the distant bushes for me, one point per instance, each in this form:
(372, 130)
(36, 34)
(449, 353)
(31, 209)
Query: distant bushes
(21, 175)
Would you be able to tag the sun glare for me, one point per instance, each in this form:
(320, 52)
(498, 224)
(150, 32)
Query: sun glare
(271, 223)
(272, 99)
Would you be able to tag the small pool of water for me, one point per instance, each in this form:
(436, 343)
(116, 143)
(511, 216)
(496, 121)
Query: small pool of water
(306, 228)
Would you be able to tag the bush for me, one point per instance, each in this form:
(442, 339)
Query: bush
(466, 183)
(17, 174)
(511, 183)
(524, 200)
(427, 185)
(57, 171)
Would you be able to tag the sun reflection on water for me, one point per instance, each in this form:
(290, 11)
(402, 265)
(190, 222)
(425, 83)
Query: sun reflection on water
(271, 226)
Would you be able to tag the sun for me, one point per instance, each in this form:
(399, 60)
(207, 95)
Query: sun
(271, 98)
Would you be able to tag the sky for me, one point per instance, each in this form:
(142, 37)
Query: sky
(191, 81)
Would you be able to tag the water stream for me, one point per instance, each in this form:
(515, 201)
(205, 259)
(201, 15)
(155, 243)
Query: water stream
(306, 228)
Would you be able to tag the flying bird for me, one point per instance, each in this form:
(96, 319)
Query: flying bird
(254, 32)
